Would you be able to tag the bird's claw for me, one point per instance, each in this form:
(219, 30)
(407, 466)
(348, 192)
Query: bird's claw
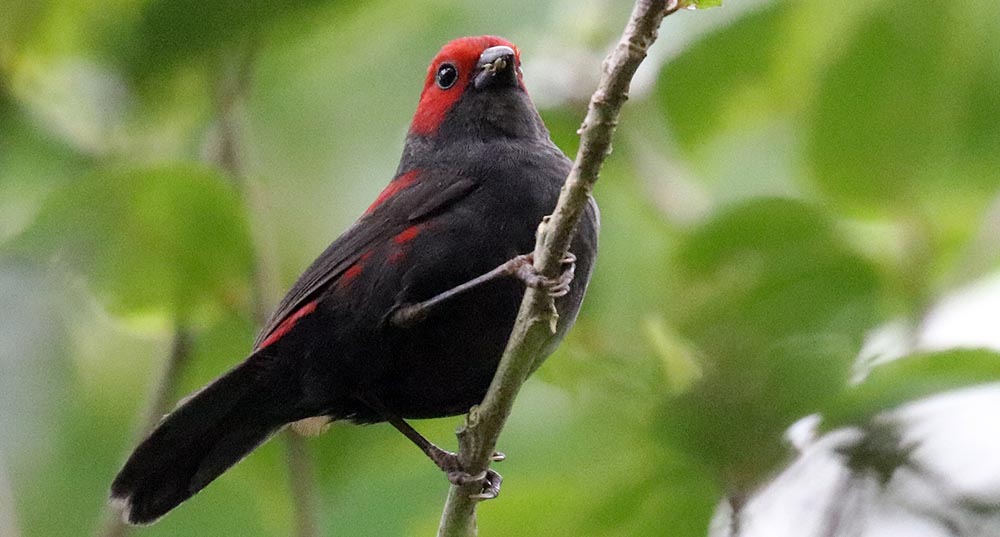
(488, 480)
(460, 478)
(491, 486)
(524, 268)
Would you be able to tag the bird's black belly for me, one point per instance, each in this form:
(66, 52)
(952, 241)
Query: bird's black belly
(443, 365)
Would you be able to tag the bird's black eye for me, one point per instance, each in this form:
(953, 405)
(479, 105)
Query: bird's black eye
(446, 76)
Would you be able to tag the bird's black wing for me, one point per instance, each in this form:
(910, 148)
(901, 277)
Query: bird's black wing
(426, 197)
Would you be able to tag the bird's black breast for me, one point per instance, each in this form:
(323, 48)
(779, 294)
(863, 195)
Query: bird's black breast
(444, 364)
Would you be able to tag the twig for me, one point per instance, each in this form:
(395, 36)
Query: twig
(8, 519)
(234, 82)
(834, 518)
(737, 503)
(981, 252)
(159, 405)
(537, 316)
(301, 483)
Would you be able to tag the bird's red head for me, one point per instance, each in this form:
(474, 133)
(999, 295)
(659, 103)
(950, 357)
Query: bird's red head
(458, 66)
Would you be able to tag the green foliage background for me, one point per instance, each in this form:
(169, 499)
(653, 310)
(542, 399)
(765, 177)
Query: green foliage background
(788, 176)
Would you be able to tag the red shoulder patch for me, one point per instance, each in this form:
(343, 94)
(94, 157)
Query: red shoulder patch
(394, 186)
(286, 325)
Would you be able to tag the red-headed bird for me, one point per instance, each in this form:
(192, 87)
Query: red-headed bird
(407, 313)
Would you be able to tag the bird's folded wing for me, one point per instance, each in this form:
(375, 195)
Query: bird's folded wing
(417, 202)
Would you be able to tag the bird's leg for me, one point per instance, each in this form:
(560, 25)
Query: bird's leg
(447, 461)
(521, 267)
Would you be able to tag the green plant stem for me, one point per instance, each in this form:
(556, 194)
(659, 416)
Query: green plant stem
(160, 403)
(537, 317)
(235, 77)
(8, 519)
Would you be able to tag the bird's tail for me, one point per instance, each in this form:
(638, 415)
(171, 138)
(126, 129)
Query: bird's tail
(206, 435)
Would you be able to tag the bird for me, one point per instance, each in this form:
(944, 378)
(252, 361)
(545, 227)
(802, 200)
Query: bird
(407, 313)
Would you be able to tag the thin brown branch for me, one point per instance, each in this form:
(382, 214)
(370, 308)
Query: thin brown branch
(160, 403)
(163, 398)
(533, 327)
(235, 78)
(8, 519)
(302, 484)
(737, 503)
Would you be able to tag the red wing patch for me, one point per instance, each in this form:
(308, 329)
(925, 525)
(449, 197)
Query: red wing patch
(397, 184)
(287, 324)
(407, 234)
(396, 257)
(352, 272)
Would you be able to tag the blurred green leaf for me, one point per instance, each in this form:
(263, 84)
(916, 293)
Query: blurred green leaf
(905, 119)
(169, 241)
(31, 166)
(890, 116)
(673, 493)
(19, 18)
(733, 421)
(908, 379)
(82, 103)
(681, 368)
(769, 271)
(172, 32)
(700, 4)
(716, 81)
(775, 305)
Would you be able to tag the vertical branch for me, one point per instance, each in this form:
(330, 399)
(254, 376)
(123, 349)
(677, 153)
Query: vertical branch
(235, 75)
(8, 519)
(737, 503)
(834, 517)
(536, 318)
(234, 81)
(302, 484)
(982, 252)
(160, 403)
(163, 397)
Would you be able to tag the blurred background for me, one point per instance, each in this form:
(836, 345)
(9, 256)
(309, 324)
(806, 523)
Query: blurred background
(791, 330)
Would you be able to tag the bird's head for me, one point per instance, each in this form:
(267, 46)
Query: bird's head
(475, 90)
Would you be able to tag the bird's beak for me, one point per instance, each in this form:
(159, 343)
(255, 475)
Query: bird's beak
(496, 66)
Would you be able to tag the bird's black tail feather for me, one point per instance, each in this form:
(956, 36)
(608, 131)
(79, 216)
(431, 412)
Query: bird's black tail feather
(204, 437)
